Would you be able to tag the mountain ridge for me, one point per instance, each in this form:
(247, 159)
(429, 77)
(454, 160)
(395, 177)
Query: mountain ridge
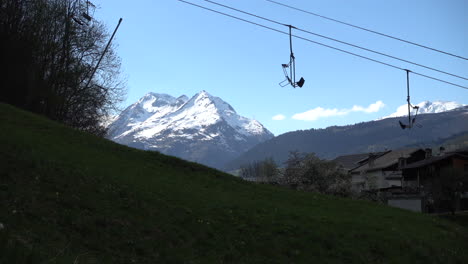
(363, 137)
(427, 107)
(203, 129)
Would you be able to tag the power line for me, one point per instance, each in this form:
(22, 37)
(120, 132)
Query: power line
(368, 30)
(339, 41)
(321, 44)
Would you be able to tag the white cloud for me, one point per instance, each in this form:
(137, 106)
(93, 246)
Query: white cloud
(278, 117)
(401, 111)
(372, 108)
(317, 113)
(320, 112)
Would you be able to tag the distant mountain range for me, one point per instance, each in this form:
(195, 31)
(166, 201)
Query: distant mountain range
(427, 107)
(363, 137)
(208, 130)
(204, 128)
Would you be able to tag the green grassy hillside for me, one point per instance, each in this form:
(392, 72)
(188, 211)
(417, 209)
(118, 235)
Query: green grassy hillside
(69, 197)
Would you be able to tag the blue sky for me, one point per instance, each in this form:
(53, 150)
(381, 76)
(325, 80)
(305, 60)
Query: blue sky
(170, 47)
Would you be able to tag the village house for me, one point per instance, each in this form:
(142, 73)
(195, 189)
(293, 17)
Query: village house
(442, 181)
(349, 162)
(382, 170)
(412, 178)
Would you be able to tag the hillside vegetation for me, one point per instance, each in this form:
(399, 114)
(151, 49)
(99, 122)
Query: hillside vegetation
(70, 197)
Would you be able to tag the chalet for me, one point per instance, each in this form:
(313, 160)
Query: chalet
(412, 178)
(349, 162)
(441, 180)
(382, 170)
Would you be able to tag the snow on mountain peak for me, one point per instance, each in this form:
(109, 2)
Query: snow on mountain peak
(227, 113)
(198, 128)
(204, 99)
(158, 112)
(182, 98)
(153, 102)
(427, 107)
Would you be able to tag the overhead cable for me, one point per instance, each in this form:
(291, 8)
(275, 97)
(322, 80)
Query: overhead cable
(321, 44)
(336, 40)
(369, 30)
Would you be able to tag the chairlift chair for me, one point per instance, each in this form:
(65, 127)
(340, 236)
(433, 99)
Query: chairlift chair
(84, 17)
(77, 20)
(86, 14)
(411, 121)
(291, 77)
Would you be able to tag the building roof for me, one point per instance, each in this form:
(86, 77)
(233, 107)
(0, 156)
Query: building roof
(386, 160)
(463, 150)
(349, 162)
(434, 159)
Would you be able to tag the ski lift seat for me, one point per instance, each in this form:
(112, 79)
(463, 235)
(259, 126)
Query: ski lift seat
(403, 126)
(86, 16)
(78, 21)
(301, 82)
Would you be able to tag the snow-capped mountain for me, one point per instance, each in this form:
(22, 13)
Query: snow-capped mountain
(427, 107)
(203, 129)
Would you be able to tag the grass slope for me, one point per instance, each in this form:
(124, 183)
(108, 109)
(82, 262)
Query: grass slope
(69, 197)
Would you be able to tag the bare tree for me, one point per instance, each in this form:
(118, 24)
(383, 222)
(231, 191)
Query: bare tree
(47, 53)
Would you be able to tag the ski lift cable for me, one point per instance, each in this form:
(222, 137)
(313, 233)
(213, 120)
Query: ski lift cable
(321, 44)
(339, 41)
(369, 30)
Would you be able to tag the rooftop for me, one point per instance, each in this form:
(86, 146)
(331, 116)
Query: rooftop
(386, 160)
(349, 162)
(435, 159)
